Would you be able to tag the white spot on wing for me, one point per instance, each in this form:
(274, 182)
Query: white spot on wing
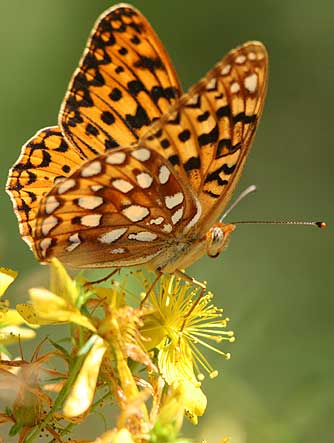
(143, 236)
(51, 204)
(251, 82)
(167, 228)
(91, 221)
(111, 236)
(90, 202)
(66, 185)
(122, 185)
(92, 169)
(193, 100)
(96, 188)
(75, 241)
(240, 59)
(164, 174)
(141, 154)
(211, 84)
(48, 224)
(144, 180)
(174, 200)
(226, 70)
(116, 159)
(44, 245)
(176, 217)
(157, 221)
(58, 180)
(135, 212)
(252, 56)
(235, 87)
(118, 251)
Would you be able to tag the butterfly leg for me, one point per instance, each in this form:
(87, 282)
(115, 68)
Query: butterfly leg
(155, 281)
(101, 280)
(194, 282)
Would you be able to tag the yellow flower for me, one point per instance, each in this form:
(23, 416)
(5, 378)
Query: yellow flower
(59, 305)
(116, 340)
(7, 276)
(179, 322)
(10, 319)
(83, 390)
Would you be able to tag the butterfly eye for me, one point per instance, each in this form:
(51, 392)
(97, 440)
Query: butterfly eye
(217, 238)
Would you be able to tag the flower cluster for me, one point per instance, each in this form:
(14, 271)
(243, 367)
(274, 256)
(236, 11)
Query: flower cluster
(147, 358)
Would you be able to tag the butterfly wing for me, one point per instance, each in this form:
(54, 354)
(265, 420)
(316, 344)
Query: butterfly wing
(119, 209)
(207, 134)
(44, 159)
(125, 80)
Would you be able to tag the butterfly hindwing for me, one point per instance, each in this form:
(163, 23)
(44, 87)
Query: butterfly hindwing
(125, 80)
(121, 208)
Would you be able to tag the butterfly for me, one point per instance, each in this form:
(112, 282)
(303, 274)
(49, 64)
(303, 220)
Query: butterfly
(138, 172)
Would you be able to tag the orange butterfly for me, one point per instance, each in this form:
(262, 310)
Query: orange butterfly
(138, 172)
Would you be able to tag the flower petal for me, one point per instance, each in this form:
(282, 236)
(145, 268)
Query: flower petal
(194, 401)
(61, 283)
(53, 309)
(83, 391)
(7, 276)
(10, 334)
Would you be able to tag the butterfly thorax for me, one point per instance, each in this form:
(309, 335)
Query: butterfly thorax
(183, 252)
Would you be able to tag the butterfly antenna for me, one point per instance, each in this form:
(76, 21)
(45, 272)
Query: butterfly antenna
(318, 224)
(249, 190)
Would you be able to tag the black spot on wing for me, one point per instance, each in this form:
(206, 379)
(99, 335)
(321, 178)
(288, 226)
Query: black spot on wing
(115, 95)
(108, 118)
(91, 130)
(135, 86)
(174, 159)
(209, 138)
(243, 118)
(215, 176)
(46, 159)
(165, 143)
(203, 117)
(184, 135)
(150, 63)
(192, 163)
(139, 119)
(223, 111)
(226, 144)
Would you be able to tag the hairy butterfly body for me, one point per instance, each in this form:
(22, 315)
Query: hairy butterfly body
(138, 172)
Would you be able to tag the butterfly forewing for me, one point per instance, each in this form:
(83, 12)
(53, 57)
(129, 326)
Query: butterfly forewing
(208, 133)
(124, 81)
(44, 159)
(121, 208)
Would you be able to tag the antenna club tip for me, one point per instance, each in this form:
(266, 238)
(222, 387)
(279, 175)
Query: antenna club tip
(321, 224)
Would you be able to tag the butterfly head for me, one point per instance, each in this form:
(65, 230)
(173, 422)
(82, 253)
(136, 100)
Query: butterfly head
(217, 238)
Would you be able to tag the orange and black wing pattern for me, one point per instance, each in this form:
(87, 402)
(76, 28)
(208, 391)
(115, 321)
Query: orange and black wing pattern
(125, 81)
(44, 160)
(207, 134)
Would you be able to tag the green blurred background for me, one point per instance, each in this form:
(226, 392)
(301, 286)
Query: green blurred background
(274, 282)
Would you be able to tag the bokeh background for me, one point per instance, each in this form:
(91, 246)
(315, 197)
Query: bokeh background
(275, 282)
